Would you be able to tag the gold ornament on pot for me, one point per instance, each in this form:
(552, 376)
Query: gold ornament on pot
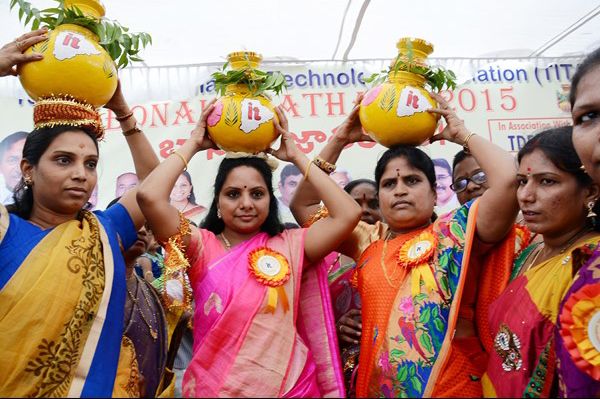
(80, 52)
(242, 120)
(394, 111)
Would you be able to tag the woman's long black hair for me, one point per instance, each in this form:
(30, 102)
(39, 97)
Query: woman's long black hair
(590, 63)
(36, 144)
(272, 225)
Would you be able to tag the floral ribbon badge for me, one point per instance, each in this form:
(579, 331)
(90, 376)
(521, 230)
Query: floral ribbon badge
(416, 253)
(580, 328)
(272, 269)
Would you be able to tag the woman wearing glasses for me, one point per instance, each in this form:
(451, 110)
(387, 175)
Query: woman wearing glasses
(469, 181)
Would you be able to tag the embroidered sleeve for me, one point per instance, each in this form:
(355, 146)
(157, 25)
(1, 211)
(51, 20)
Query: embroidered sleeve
(176, 265)
(364, 234)
(321, 213)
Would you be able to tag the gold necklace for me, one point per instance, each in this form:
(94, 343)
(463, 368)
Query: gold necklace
(572, 240)
(153, 332)
(382, 262)
(225, 241)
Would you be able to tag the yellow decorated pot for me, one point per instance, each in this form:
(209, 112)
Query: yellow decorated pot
(242, 122)
(395, 112)
(74, 63)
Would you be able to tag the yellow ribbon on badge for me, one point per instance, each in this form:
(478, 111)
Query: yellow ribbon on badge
(415, 254)
(422, 273)
(272, 269)
(273, 295)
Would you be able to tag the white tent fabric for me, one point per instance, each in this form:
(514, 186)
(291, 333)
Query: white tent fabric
(200, 31)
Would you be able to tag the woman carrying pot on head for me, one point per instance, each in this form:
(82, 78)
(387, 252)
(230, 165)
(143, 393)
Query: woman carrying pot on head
(558, 201)
(412, 268)
(63, 276)
(257, 330)
(577, 337)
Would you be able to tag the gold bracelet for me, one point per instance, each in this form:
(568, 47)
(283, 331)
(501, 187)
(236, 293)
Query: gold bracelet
(466, 142)
(325, 166)
(124, 117)
(131, 131)
(175, 152)
(307, 171)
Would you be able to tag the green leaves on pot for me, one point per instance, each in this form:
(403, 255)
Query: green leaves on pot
(436, 78)
(257, 81)
(123, 46)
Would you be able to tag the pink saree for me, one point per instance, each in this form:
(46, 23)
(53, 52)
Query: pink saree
(243, 348)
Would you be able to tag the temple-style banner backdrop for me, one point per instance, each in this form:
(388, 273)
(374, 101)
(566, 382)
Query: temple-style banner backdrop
(503, 100)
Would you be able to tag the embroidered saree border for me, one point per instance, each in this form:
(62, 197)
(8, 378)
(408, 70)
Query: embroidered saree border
(453, 315)
(91, 344)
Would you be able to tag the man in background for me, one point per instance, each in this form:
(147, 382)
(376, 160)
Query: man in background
(11, 152)
(446, 198)
(341, 177)
(125, 182)
(289, 179)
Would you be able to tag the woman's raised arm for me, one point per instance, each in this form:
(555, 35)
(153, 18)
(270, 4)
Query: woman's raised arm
(498, 206)
(327, 234)
(307, 201)
(153, 193)
(144, 157)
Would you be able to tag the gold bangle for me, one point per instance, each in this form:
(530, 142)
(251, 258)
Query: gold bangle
(307, 171)
(124, 117)
(131, 131)
(325, 166)
(175, 152)
(466, 142)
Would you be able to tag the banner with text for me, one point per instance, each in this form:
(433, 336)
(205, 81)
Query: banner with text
(506, 101)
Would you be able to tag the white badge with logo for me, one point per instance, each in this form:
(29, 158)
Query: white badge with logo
(269, 265)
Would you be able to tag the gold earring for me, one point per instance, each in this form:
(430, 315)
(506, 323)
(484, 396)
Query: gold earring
(28, 182)
(219, 214)
(590, 207)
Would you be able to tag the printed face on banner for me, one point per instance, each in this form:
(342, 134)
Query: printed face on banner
(10, 164)
(70, 44)
(341, 178)
(126, 182)
(443, 180)
(254, 114)
(288, 188)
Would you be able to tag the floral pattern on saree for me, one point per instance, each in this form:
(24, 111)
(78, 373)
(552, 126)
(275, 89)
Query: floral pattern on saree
(417, 327)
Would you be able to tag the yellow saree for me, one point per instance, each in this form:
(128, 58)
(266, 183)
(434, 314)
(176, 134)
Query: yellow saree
(57, 309)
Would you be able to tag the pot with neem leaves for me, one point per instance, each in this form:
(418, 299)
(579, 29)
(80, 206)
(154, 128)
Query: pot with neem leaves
(242, 120)
(82, 52)
(394, 110)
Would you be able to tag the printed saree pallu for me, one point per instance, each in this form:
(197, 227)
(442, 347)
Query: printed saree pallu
(524, 321)
(55, 311)
(263, 326)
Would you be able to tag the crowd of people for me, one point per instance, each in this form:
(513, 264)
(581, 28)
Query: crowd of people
(370, 294)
